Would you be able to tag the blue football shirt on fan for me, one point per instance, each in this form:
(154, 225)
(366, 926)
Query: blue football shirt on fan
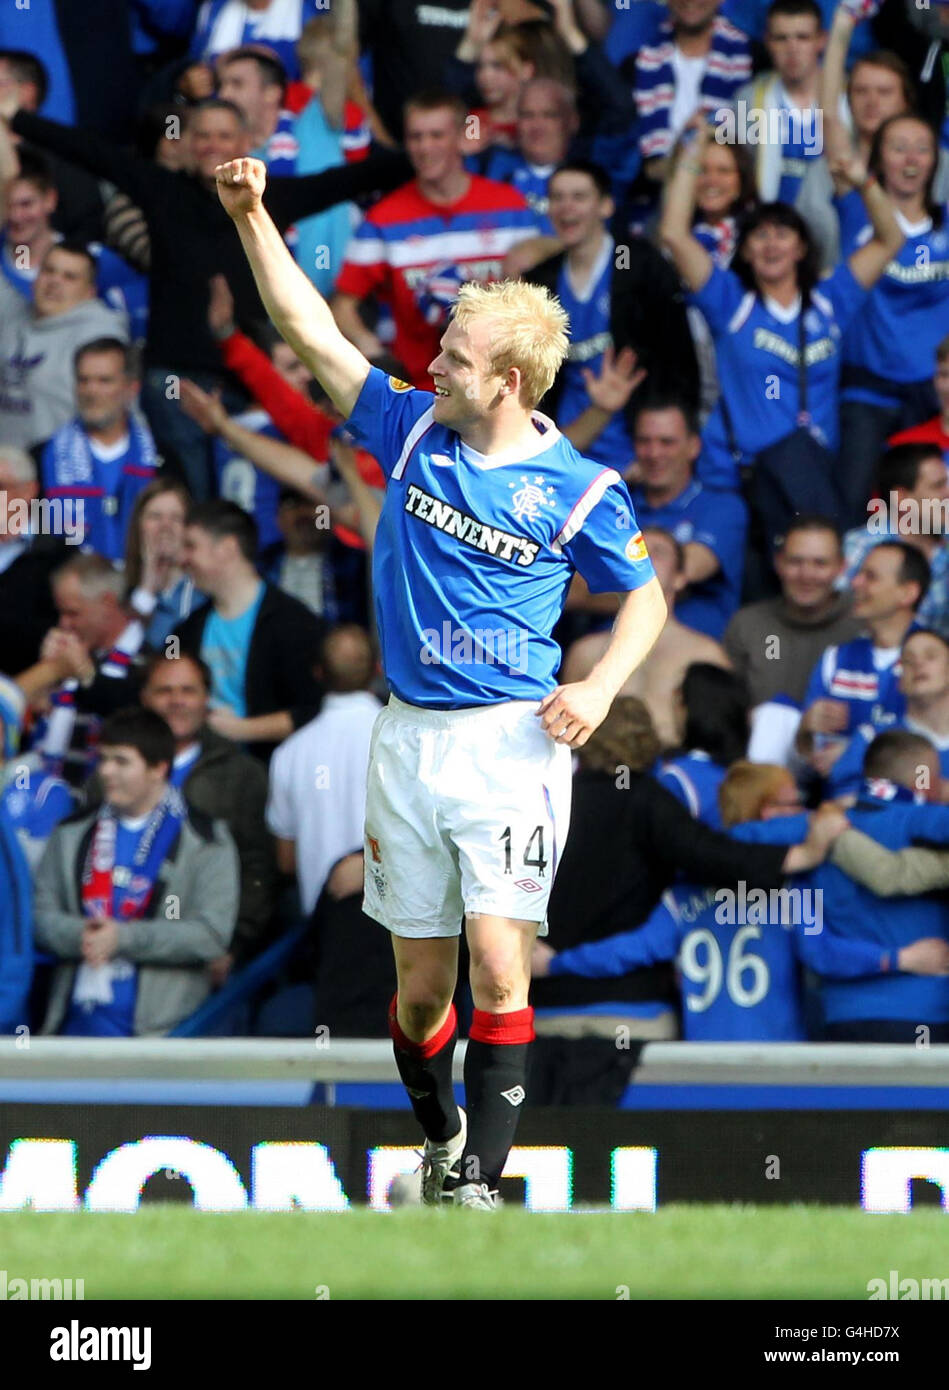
(694, 779)
(589, 314)
(474, 555)
(864, 677)
(719, 521)
(906, 315)
(846, 775)
(738, 955)
(757, 351)
(531, 180)
(239, 481)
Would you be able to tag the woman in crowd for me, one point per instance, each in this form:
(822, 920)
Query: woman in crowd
(712, 714)
(764, 307)
(891, 343)
(160, 592)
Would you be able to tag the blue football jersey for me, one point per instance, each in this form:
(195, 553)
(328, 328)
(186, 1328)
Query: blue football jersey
(239, 481)
(590, 335)
(906, 315)
(757, 350)
(694, 780)
(474, 555)
(530, 180)
(864, 677)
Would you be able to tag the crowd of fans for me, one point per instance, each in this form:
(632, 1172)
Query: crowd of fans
(743, 208)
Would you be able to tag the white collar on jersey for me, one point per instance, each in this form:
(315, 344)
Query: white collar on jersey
(913, 228)
(547, 440)
(582, 292)
(784, 313)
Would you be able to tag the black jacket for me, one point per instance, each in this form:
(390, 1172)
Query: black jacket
(192, 237)
(27, 611)
(647, 313)
(625, 848)
(284, 648)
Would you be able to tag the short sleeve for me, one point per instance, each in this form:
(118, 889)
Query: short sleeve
(722, 528)
(718, 298)
(605, 543)
(388, 417)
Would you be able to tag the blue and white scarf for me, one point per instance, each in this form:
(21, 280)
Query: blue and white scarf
(728, 65)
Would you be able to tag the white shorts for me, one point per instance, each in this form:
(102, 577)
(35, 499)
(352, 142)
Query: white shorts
(466, 811)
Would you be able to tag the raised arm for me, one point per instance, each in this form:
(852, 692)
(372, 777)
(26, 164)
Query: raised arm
(692, 261)
(298, 311)
(868, 262)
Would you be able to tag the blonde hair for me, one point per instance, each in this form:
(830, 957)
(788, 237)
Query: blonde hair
(531, 330)
(746, 788)
(626, 739)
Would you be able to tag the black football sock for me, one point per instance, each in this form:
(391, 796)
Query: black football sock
(495, 1088)
(425, 1069)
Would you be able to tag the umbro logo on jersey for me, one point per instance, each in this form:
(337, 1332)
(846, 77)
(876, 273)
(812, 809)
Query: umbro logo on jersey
(515, 1095)
(442, 461)
(528, 885)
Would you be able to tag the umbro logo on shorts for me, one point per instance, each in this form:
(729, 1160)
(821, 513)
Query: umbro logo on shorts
(515, 1095)
(528, 884)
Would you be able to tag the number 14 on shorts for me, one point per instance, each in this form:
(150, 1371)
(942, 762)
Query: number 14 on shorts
(536, 861)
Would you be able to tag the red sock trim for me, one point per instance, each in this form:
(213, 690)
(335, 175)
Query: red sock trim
(516, 1027)
(431, 1045)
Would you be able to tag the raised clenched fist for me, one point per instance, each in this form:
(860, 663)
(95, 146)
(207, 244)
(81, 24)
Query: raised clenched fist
(240, 185)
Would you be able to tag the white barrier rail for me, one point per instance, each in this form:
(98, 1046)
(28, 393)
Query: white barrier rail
(351, 1060)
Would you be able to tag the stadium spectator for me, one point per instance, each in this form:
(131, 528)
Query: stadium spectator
(255, 81)
(224, 25)
(501, 56)
(619, 297)
(224, 784)
(408, 47)
(783, 308)
(860, 678)
(78, 211)
(259, 643)
(86, 81)
(132, 960)
(181, 209)
(418, 244)
(774, 644)
(711, 526)
(678, 646)
(30, 549)
(900, 770)
(771, 935)
(629, 840)
(106, 456)
(95, 648)
(160, 592)
(924, 683)
(312, 566)
(879, 87)
(712, 715)
(911, 503)
(936, 430)
(697, 63)
(38, 342)
(326, 761)
(786, 99)
(890, 343)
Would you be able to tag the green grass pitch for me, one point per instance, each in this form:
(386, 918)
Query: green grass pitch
(680, 1252)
